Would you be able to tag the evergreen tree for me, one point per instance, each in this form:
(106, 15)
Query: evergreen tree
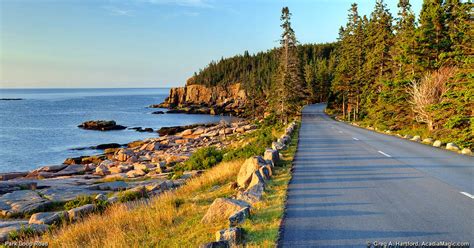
(432, 37)
(460, 30)
(351, 57)
(289, 87)
(309, 78)
(379, 40)
(403, 49)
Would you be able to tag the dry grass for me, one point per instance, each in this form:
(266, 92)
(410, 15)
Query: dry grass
(169, 220)
(173, 218)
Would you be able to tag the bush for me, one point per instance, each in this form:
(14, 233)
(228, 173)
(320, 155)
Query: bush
(202, 159)
(79, 201)
(131, 195)
(263, 138)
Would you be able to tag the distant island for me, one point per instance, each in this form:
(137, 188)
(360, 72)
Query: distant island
(11, 99)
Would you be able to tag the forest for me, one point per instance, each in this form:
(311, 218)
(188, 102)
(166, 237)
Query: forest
(406, 73)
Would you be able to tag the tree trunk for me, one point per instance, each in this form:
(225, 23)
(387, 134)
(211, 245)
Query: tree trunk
(343, 108)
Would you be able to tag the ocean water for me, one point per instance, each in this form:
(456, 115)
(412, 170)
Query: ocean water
(42, 129)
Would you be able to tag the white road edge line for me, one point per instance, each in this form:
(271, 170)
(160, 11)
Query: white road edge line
(355, 138)
(385, 154)
(467, 194)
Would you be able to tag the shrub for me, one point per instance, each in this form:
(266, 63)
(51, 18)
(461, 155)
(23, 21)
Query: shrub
(79, 201)
(263, 138)
(202, 159)
(131, 195)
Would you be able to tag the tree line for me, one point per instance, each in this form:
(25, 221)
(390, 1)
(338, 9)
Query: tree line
(407, 73)
(395, 73)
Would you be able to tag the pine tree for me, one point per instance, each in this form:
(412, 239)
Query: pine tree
(460, 29)
(309, 78)
(432, 38)
(289, 87)
(379, 41)
(403, 49)
(351, 56)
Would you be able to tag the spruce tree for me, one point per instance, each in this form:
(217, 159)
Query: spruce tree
(289, 87)
(379, 41)
(403, 49)
(432, 36)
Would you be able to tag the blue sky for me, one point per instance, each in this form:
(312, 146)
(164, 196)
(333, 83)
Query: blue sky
(148, 43)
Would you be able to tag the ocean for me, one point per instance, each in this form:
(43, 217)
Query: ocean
(42, 128)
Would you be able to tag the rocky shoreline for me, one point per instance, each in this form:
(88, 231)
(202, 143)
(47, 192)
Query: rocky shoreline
(199, 99)
(42, 197)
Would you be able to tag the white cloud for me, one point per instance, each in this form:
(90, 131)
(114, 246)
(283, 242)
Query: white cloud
(117, 11)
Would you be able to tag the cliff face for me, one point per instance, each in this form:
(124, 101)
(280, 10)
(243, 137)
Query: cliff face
(207, 100)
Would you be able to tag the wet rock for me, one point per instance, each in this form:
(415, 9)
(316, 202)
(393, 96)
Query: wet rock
(223, 208)
(48, 218)
(106, 146)
(101, 125)
(158, 112)
(21, 202)
(74, 160)
(80, 212)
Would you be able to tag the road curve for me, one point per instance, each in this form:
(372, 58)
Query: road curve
(351, 186)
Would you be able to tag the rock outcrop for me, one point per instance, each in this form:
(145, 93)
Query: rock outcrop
(199, 99)
(101, 125)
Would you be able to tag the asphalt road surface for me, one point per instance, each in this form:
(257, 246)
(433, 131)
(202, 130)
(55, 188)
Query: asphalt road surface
(352, 186)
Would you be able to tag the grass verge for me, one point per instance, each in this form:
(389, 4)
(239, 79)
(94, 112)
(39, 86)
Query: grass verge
(262, 228)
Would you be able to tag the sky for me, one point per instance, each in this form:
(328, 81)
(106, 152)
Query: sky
(148, 43)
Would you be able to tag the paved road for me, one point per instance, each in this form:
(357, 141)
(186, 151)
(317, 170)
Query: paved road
(352, 185)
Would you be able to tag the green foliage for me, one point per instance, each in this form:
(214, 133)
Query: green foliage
(79, 201)
(202, 159)
(132, 195)
(376, 64)
(262, 138)
(24, 232)
(257, 74)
